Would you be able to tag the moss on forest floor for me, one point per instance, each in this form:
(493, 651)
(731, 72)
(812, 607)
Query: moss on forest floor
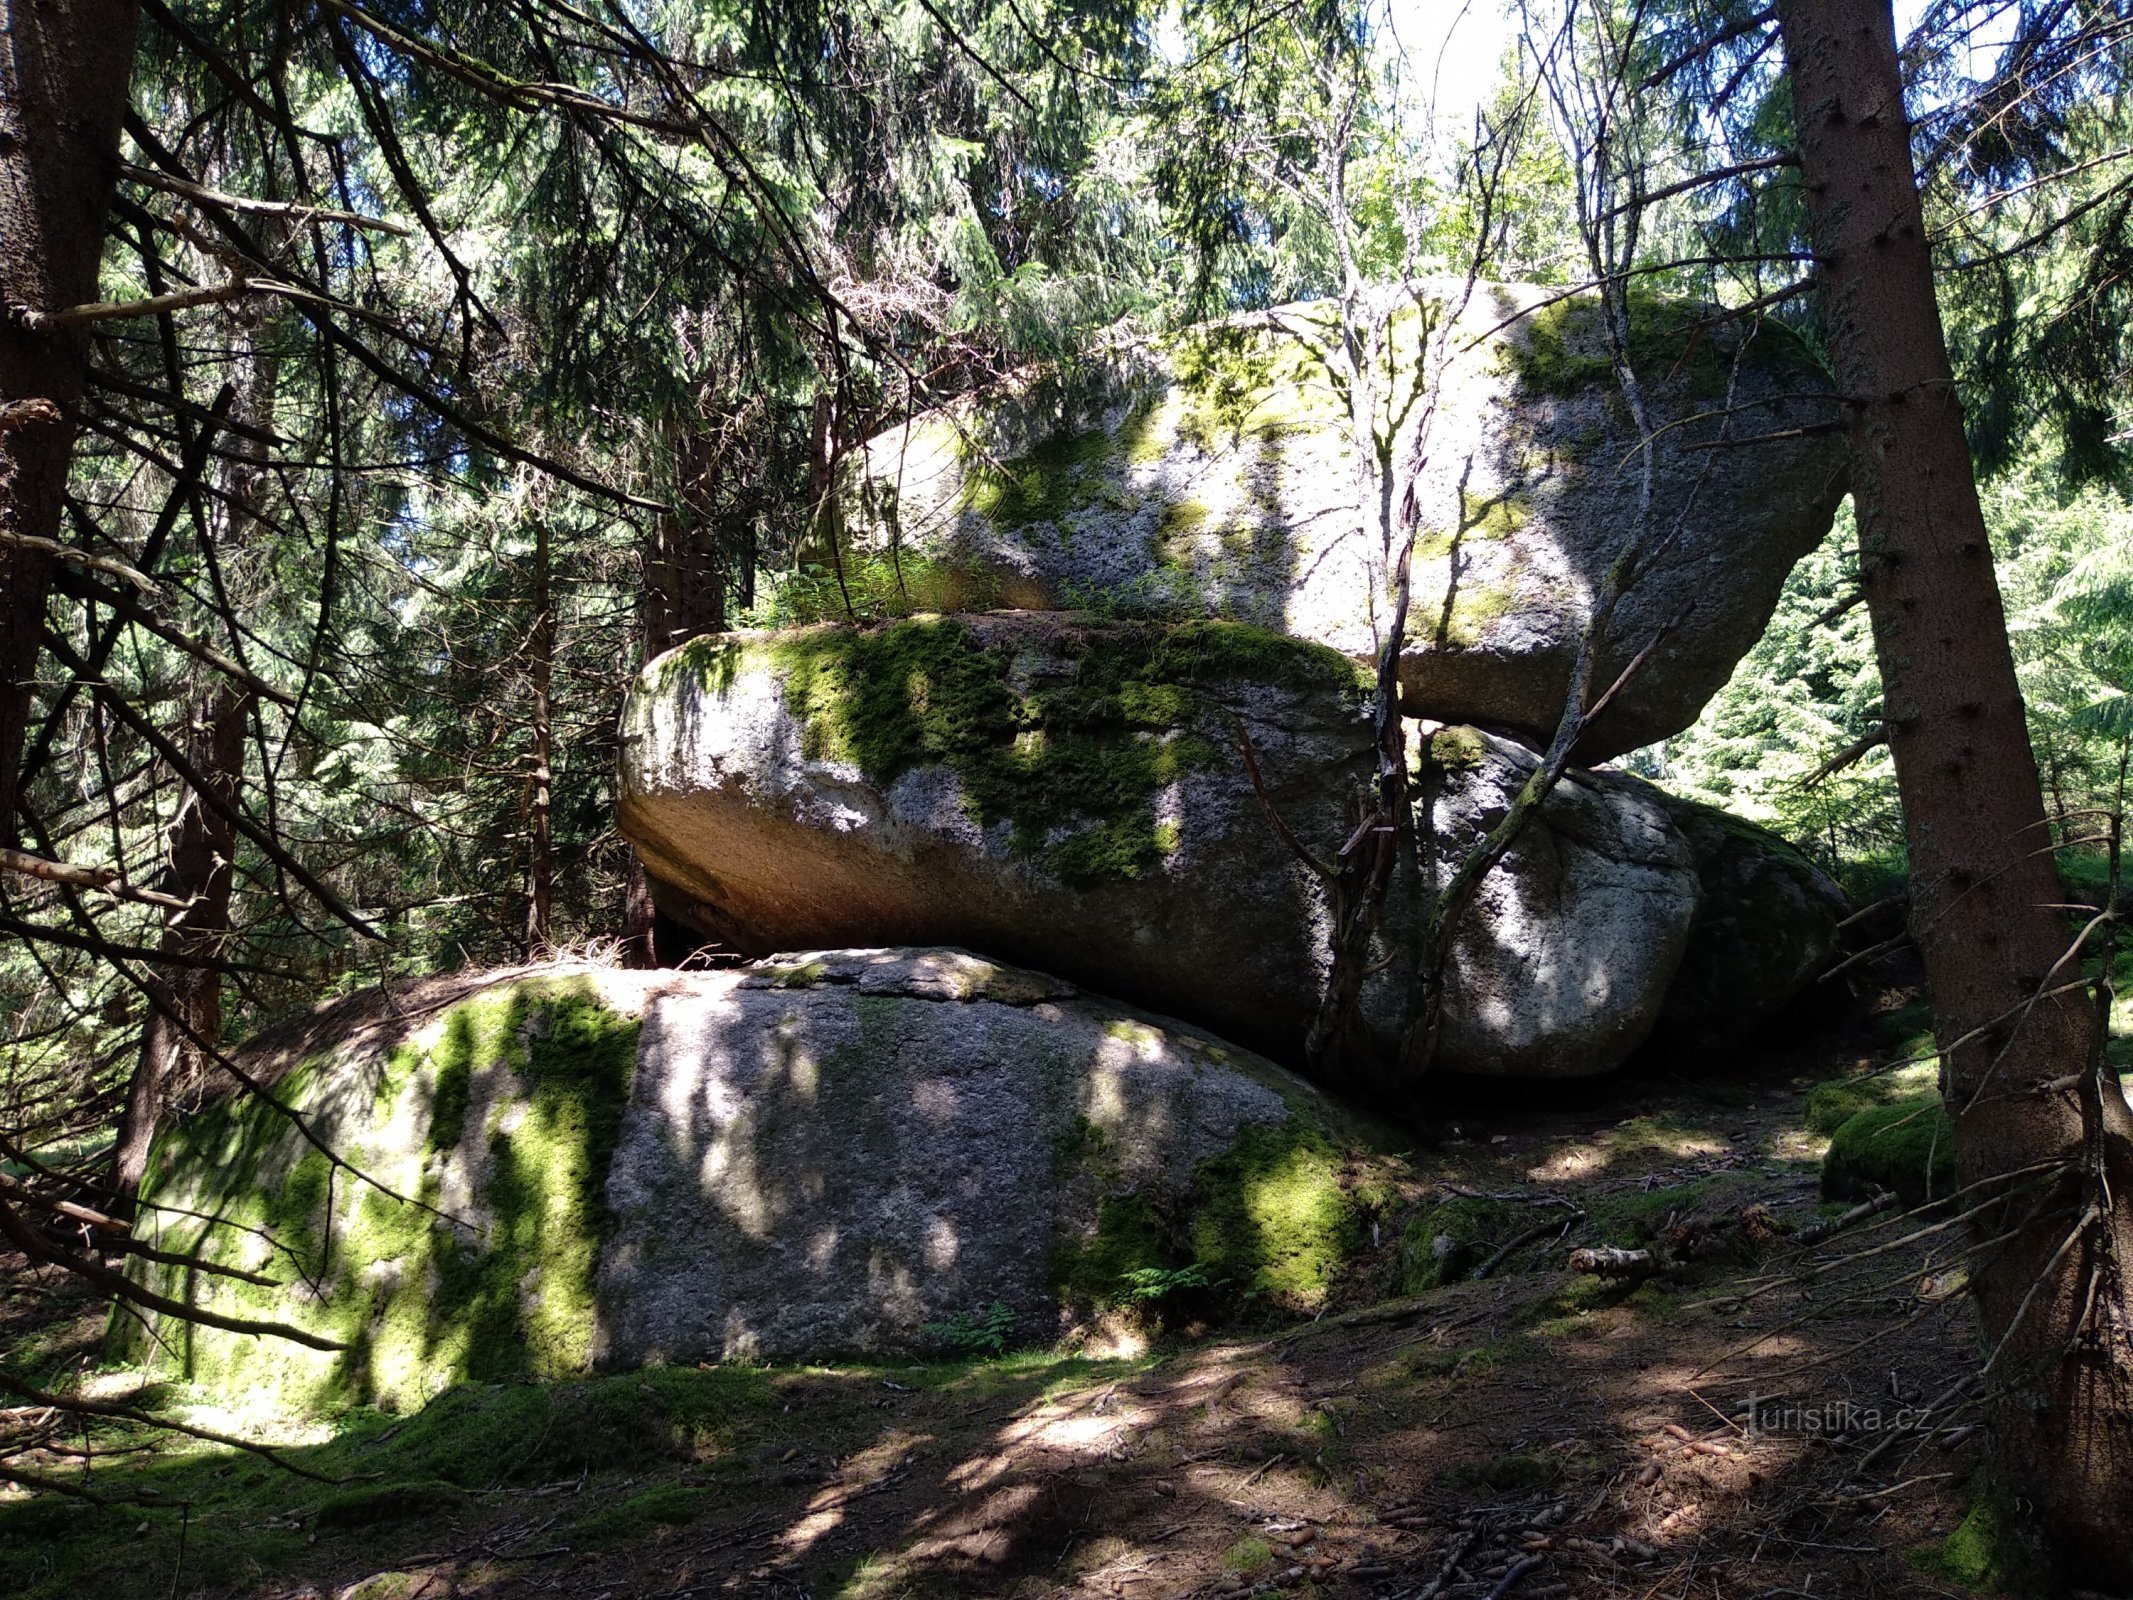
(1906, 1146)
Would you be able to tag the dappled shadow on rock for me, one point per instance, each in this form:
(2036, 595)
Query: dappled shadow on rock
(1598, 1431)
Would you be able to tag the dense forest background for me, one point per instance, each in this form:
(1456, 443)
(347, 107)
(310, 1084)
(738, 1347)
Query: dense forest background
(449, 362)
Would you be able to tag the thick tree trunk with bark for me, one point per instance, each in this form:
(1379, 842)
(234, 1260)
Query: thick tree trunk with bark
(2020, 1073)
(64, 69)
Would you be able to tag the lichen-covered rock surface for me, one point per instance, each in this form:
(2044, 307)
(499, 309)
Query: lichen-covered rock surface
(839, 1152)
(1072, 795)
(1213, 477)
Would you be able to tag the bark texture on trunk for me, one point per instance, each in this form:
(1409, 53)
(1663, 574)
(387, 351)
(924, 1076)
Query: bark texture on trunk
(2023, 1089)
(540, 795)
(64, 70)
(200, 845)
(201, 841)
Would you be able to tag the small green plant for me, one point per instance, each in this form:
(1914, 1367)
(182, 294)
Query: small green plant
(976, 1333)
(1149, 1285)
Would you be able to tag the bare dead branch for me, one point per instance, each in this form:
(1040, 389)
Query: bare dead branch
(105, 880)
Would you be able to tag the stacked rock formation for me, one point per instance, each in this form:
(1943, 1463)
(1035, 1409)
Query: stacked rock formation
(1217, 479)
(1121, 764)
(1068, 787)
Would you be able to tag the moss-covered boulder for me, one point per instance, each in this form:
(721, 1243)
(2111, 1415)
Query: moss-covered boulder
(841, 1152)
(1907, 1146)
(1044, 788)
(482, 1121)
(1829, 1105)
(1072, 795)
(1212, 477)
(1766, 925)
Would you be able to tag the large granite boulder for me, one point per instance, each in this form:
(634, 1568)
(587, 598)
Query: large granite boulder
(1072, 795)
(1569, 954)
(1213, 477)
(1047, 789)
(1766, 927)
(845, 1152)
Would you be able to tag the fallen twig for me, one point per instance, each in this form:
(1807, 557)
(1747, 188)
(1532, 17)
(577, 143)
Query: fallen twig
(1510, 1580)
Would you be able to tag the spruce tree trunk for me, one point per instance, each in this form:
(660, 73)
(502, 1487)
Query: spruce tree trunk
(2053, 1303)
(540, 798)
(63, 78)
(201, 845)
(201, 842)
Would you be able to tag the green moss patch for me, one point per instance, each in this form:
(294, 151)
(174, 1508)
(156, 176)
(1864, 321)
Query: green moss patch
(1980, 1555)
(868, 585)
(391, 1502)
(1639, 1216)
(1459, 749)
(1496, 518)
(1270, 1222)
(1273, 1216)
(1097, 1272)
(499, 1135)
(1086, 748)
(1239, 382)
(669, 1506)
(1181, 519)
(1833, 1103)
(1907, 1146)
(239, 1519)
(1041, 485)
(1563, 348)
(1446, 1242)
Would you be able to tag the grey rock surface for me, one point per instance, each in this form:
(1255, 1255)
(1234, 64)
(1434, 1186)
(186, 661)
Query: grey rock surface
(828, 1155)
(774, 817)
(1213, 477)
(838, 786)
(1766, 925)
(1565, 961)
(832, 1153)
